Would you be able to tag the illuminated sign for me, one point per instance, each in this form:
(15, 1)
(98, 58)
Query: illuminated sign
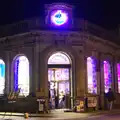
(59, 17)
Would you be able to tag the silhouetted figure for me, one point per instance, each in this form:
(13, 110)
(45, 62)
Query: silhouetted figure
(110, 97)
(86, 103)
(62, 101)
(56, 101)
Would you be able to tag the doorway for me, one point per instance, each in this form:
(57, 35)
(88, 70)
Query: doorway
(59, 81)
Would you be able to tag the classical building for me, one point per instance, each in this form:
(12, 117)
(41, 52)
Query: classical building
(59, 58)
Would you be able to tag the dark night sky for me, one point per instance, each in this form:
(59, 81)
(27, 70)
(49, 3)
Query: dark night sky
(102, 12)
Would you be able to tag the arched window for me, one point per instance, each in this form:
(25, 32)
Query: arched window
(107, 76)
(59, 58)
(91, 75)
(2, 77)
(118, 76)
(21, 75)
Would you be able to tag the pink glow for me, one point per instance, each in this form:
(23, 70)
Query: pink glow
(107, 76)
(118, 74)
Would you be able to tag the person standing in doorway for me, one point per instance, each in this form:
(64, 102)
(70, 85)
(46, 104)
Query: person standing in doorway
(56, 101)
(62, 100)
(110, 97)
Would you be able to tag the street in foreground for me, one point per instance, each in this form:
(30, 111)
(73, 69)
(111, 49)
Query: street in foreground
(96, 117)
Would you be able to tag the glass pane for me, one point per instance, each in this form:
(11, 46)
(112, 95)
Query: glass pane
(2, 76)
(50, 75)
(91, 73)
(21, 75)
(118, 74)
(59, 58)
(107, 76)
(56, 74)
(64, 87)
(62, 74)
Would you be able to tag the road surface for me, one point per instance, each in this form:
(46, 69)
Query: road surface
(98, 117)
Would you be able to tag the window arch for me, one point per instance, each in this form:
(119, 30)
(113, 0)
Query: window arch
(107, 76)
(118, 76)
(21, 75)
(59, 58)
(2, 77)
(91, 75)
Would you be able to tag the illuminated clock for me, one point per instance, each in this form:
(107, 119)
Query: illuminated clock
(59, 17)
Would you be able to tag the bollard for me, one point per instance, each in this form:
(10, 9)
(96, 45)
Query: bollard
(26, 115)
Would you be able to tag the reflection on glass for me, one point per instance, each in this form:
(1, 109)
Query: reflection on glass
(91, 73)
(56, 74)
(50, 75)
(21, 75)
(2, 77)
(64, 87)
(107, 76)
(62, 74)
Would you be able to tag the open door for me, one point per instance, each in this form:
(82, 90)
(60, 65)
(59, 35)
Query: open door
(59, 66)
(59, 88)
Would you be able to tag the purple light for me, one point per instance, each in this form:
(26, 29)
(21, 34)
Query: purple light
(91, 73)
(59, 17)
(107, 76)
(118, 75)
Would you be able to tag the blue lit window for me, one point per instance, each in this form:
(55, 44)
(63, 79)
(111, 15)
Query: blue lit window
(2, 77)
(21, 75)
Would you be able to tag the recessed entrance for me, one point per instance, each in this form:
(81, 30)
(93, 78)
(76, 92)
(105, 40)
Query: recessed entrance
(59, 81)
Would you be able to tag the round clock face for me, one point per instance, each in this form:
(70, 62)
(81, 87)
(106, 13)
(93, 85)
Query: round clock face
(59, 17)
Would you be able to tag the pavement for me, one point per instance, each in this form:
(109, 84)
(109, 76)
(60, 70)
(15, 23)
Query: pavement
(61, 114)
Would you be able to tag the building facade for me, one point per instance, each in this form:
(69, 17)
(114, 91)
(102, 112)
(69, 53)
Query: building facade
(59, 56)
